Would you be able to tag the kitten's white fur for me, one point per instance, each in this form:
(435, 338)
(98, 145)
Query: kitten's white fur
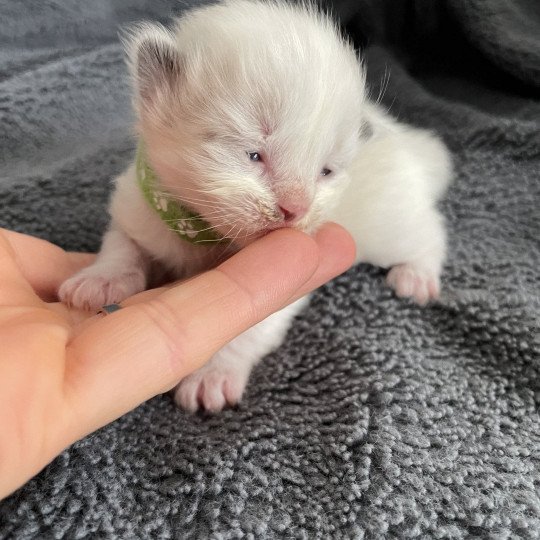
(277, 79)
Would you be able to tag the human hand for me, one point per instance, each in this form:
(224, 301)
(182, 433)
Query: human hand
(65, 373)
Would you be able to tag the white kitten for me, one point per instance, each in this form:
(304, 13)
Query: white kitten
(254, 116)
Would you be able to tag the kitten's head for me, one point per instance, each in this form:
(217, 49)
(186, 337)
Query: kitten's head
(250, 113)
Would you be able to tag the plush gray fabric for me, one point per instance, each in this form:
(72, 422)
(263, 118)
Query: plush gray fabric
(376, 418)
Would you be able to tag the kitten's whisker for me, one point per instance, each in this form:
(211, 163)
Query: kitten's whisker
(199, 190)
(198, 217)
(384, 85)
(190, 200)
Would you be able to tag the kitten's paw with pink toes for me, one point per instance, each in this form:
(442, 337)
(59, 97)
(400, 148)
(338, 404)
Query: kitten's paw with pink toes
(91, 289)
(412, 282)
(211, 388)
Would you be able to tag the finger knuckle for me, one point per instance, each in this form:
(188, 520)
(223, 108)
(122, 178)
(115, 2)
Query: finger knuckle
(162, 317)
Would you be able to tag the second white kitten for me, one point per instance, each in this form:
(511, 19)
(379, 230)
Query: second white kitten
(253, 116)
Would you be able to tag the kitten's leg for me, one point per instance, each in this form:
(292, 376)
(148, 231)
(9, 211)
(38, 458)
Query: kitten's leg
(120, 270)
(390, 208)
(418, 277)
(222, 380)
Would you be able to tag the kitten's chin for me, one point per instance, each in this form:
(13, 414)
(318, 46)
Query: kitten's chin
(247, 239)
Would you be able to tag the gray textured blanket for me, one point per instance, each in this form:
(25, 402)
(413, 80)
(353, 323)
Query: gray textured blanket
(376, 418)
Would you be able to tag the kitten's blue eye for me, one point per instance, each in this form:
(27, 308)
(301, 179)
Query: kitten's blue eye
(326, 172)
(254, 156)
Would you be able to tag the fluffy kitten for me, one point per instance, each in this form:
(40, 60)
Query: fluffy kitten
(255, 116)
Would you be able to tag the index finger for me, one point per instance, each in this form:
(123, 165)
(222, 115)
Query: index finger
(146, 348)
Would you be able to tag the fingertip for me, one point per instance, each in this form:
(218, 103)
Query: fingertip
(301, 246)
(274, 266)
(335, 241)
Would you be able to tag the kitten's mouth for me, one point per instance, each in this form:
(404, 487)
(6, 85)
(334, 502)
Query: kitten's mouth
(281, 225)
(247, 239)
(250, 234)
(275, 227)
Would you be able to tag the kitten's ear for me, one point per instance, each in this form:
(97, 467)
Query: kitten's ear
(155, 62)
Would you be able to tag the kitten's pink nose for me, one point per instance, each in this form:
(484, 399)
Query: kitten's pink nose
(292, 212)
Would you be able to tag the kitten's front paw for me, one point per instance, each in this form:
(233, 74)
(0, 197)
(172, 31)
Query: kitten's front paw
(93, 288)
(211, 388)
(409, 281)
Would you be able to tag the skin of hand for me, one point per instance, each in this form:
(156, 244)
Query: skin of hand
(65, 373)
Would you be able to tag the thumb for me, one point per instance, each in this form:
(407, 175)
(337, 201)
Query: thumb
(146, 348)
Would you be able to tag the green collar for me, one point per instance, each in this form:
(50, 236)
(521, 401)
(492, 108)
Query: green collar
(187, 224)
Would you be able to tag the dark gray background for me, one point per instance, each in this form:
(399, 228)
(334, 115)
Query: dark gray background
(376, 418)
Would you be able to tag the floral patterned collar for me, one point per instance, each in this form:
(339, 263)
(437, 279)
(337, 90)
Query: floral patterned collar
(180, 219)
